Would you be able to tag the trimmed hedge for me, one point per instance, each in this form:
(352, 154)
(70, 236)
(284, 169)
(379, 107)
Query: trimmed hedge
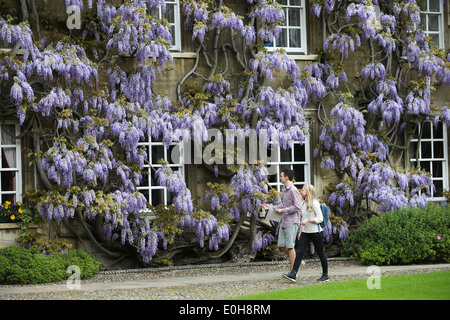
(28, 266)
(404, 236)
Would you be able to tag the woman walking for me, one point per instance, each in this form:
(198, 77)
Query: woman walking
(311, 217)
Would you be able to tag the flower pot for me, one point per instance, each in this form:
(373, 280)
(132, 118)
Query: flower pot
(4, 219)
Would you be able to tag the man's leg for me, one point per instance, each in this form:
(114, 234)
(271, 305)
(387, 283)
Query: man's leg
(283, 249)
(290, 244)
(291, 254)
(286, 242)
(291, 235)
(302, 244)
(282, 239)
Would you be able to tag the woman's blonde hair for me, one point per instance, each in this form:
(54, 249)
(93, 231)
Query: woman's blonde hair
(311, 193)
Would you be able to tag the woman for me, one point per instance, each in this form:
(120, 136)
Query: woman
(311, 231)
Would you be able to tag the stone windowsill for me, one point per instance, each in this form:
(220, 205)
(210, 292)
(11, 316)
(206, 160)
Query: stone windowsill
(12, 225)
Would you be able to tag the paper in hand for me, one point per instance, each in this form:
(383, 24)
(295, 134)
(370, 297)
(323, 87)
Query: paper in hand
(272, 215)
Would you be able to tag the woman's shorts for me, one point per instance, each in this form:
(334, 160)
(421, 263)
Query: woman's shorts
(286, 236)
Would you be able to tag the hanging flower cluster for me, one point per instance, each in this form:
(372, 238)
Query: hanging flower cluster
(249, 185)
(261, 241)
(340, 229)
(345, 145)
(174, 183)
(270, 17)
(11, 34)
(78, 3)
(129, 30)
(217, 195)
(206, 226)
(388, 102)
(445, 111)
(197, 16)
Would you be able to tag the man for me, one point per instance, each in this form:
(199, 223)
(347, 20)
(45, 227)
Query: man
(290, 210)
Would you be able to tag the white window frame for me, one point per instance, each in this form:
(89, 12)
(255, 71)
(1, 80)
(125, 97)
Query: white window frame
(303, 25)
(290, 164)
(431, 159)
(440, 14)
(176, 38)
(18, 169)
(151, 166)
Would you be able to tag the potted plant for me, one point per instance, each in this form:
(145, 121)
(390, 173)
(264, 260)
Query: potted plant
(9, 212)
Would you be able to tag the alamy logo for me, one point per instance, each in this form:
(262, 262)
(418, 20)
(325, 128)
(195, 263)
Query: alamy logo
(227, 148)
(374, 281)
(74, 19)
(73, 282)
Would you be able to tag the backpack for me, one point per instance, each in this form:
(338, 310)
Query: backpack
(325, 211)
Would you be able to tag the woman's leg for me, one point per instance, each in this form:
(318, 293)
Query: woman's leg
(302, 245)
(317, 239)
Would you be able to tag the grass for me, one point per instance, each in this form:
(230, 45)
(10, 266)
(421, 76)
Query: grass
(421, 286)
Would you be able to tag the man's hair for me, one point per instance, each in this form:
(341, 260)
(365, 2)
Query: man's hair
(289, 173)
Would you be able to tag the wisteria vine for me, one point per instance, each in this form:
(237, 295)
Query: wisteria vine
(94, 163)
(351, 141)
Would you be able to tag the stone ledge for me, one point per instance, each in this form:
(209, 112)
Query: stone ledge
(9, 225)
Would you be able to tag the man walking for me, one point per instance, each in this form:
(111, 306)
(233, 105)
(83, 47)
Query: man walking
(290, 210)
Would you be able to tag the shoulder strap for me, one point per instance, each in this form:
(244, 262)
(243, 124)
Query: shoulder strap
(320, 207)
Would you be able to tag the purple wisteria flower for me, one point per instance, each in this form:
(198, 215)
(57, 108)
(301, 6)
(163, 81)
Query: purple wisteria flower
(174, 183)
(388, 102)
(249, 34)
(270, 16)
(445, 112)
(196, 12)
(368, 20)
(249, 184)
(261, 241)
(316, 8)
(218, 85)
(341, 42)
(227, 19)
(373, 70)
(409, 9)
(11, 34)
(16, 93)
(217, 200)
(78, 3)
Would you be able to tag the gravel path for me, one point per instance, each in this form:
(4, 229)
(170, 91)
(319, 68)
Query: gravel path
(214, 282)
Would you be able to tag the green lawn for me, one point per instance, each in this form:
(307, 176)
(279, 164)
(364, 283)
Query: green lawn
(422, 286)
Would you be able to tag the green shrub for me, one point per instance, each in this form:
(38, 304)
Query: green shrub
(88, 266)
(4, 265)
(28, 266)
(409, 235)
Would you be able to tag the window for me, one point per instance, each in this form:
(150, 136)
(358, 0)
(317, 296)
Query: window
(10, 163)
(156, 151)
(432, 21)
(431, 153)
(172, 15)
(293, 33)
(295, 158)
